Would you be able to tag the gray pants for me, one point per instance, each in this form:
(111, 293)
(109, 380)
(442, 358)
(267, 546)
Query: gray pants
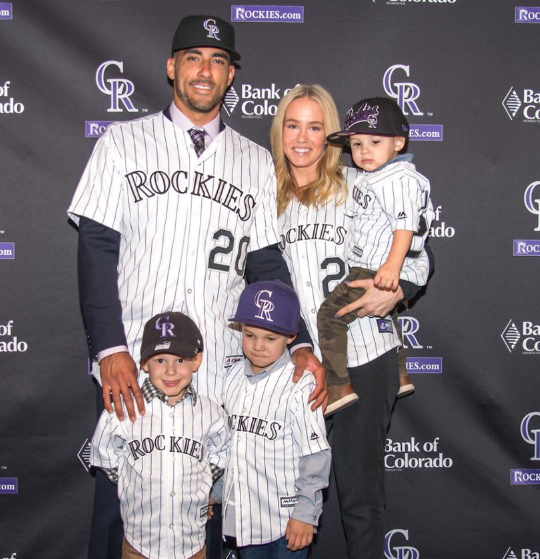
(333, 331)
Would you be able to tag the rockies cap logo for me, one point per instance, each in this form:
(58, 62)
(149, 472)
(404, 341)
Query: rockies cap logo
(212, 28)
(165, 327)
(265, 306)
(364, 114)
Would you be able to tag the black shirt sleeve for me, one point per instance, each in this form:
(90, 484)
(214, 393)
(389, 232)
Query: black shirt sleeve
(98, 253)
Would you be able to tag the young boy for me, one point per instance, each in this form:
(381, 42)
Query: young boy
(165, 461)
(279, 459)
(391, 215)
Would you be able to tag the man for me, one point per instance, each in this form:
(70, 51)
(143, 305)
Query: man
(174, 210)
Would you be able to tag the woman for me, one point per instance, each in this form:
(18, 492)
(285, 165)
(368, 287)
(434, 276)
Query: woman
(312, 188)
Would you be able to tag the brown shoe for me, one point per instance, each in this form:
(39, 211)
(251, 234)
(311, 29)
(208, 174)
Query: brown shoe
(340, 397)
(406, 387)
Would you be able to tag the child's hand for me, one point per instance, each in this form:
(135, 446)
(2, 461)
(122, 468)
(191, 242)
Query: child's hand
(299, 534)
(387, 277)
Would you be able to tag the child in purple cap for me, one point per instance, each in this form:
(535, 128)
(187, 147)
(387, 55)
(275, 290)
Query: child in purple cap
(279, 460)
(391, 215)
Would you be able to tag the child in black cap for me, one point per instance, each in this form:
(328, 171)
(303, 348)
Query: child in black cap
(166, 460)
(391, 215)
(279, 460)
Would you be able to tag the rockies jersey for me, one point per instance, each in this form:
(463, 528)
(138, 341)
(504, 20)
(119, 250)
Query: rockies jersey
(164, 475)
(272, 427)
(314, 242)
(186, 225)
(393, 197)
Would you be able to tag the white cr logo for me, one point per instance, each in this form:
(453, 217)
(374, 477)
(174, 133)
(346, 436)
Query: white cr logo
(212, 28)
(399, 551)
(533, 205)
(405, 93)
(265, 305)
(119, 89)
(531, 436)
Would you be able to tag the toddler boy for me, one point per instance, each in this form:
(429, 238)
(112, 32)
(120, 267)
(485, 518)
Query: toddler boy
(391, 215)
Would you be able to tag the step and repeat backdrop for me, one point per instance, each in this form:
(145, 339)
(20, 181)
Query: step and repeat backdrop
(463, 453)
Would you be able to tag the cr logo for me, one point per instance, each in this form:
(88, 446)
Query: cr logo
(409, 327)
(119, 89)
(405, 93)
(265, 305)
(165, 327)
(533, 205)
(531, 436)
(399, 551)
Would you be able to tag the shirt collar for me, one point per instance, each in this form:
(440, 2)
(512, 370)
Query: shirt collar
(179, 119)
(279, 364)
(406, 157)
(150, 392)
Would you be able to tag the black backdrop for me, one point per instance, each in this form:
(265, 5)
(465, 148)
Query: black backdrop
(464, 451)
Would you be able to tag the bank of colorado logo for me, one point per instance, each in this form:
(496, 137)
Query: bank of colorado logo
(521, 554)
(439, 228)
(524, 336)
(9, 342)
(415, 455)
(530, 432)
(395, 545)
(406, 93)
(254, 102)
(84, 454)
(522, 105)
(6, 10)
(527, 15)
(8, 105)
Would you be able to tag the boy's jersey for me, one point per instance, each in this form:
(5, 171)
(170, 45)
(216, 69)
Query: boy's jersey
(391, 198)
(164, 475)
(272, 427)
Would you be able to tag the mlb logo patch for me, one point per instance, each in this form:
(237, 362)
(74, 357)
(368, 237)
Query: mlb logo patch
(385, 325)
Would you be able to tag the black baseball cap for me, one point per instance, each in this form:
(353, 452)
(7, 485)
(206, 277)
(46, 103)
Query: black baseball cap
(380, 116)
(205, 31)
(171, 332)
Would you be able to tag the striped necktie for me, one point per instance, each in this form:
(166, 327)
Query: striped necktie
(198, 140)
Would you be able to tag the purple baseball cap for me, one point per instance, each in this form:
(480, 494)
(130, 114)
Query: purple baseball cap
(272, 305)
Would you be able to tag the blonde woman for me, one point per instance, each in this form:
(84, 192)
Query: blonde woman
(312, 188)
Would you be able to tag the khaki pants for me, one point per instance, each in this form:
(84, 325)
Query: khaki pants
(333, 331)
(129, 552)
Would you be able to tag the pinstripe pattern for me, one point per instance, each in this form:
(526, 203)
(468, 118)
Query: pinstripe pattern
(164, 478)
(272, 426)
(314, 246)
(396, 197)
(185, 224)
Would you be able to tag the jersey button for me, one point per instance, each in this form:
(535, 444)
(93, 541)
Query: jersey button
(308, 283)
(173, 493)
(189, 290)
(171, 526)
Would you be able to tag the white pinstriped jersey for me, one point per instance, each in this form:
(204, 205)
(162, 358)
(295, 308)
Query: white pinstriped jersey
(186, 224)
(272, 427)
(313, 241)
(164, 476)
(383, 201)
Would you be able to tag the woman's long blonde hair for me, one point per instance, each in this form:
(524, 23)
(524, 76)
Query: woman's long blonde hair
(330, 183)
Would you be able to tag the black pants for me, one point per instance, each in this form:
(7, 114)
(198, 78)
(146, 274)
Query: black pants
(359, 438)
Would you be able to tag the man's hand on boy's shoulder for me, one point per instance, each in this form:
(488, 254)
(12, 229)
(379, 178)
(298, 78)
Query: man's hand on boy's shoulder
(303, 359)
(298, 534)
(119, 380)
